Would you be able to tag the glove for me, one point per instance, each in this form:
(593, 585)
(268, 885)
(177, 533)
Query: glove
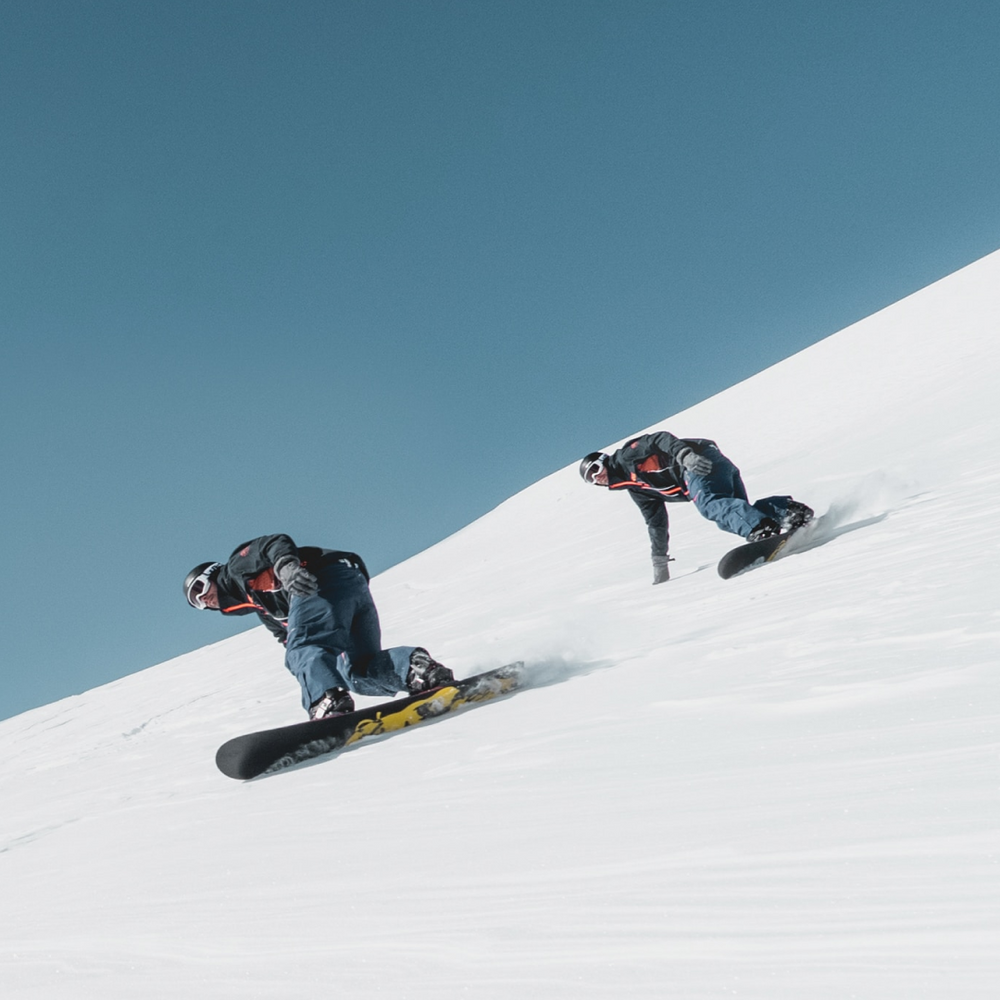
(295, 578)
(661, 569)
(693, 462)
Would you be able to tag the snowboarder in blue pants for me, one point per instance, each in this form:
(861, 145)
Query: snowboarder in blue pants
(316, 602)
(657, 469)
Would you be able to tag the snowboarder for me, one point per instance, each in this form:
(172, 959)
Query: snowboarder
(657, 469)
(318, 605)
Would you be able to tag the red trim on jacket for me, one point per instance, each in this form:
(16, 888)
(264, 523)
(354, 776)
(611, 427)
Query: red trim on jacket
(266, 582)
(669, 491)
(258, 609)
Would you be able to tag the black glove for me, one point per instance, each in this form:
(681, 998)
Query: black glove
(693, 462)
(295, 578)
(661, 569)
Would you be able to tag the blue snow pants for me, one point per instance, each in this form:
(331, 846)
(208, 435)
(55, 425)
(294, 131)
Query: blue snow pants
(721, 497)
(335, 640)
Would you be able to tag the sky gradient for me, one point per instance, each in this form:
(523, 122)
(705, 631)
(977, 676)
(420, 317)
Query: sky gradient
(361, 271)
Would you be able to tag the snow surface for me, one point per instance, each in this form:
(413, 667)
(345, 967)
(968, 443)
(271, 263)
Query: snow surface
(784, 785)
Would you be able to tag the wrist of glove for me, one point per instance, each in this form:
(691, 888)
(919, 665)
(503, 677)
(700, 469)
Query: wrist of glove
(295, 578)
(693, 462)
(661, 569)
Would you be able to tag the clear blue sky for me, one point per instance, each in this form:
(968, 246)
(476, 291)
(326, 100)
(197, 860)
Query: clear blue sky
(359, 271)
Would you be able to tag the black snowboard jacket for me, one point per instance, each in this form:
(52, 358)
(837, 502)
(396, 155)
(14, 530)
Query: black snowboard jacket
(648, 470)
(247, 584)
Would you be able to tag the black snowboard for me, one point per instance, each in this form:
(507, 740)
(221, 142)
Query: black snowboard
(275, 749)
(750, 555)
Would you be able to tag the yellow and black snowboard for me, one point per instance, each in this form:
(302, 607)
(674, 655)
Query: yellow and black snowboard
(275, 749)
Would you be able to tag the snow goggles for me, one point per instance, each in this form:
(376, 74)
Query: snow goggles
(199, 587)
(590, 473)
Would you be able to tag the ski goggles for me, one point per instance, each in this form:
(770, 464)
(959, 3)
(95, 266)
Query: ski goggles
(590, 473)
(199, 587)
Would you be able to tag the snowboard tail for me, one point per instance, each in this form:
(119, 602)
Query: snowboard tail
(752, 554)
(276, 749)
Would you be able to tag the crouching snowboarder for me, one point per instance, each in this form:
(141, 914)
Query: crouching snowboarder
(657, 469)
(318, 605)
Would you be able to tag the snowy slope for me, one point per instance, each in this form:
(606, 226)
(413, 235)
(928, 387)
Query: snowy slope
(785, 785)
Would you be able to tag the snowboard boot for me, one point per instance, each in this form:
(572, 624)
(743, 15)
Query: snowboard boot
(766, 529)
(336, 701)
(797, 515)
(426, 673)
